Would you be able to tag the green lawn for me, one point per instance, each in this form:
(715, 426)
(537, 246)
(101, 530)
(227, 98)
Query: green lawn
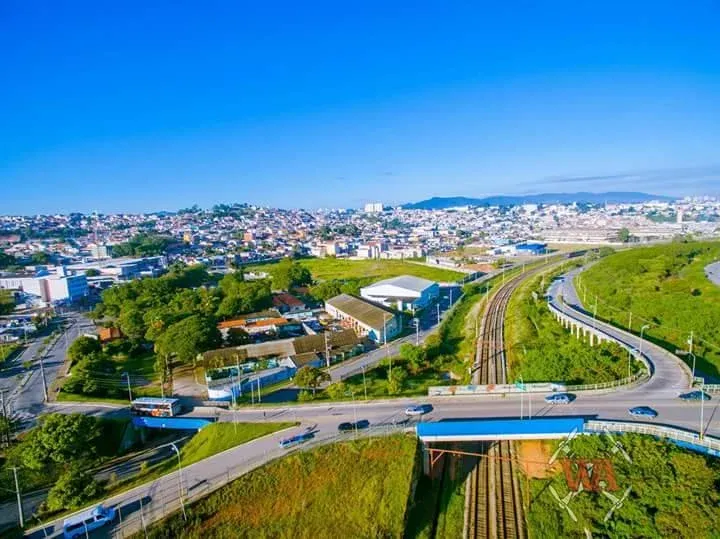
(539, 349)
(324, 269)
(351, 489)
(219, 437)
(6, 350)
(673, 493)
(665, 287)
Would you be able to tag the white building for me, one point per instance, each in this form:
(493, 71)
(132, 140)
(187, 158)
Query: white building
(48, 287)
(405, 293)
(374, 207)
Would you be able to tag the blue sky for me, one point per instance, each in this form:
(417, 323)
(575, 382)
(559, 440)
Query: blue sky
(132, 106)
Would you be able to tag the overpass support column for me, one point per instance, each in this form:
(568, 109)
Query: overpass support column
(592, 339)
(427, 466)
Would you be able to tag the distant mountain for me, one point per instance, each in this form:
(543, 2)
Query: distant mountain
(441, 203)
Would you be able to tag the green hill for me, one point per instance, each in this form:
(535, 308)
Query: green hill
(664, 286)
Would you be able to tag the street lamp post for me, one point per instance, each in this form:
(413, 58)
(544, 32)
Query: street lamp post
(702, 407)
(180, 488)
(642, 330)
(127, 377)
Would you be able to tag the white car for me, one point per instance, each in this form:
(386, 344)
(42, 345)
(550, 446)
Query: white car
(420, 409)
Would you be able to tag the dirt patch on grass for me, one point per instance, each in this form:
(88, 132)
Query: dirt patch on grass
(534, 456)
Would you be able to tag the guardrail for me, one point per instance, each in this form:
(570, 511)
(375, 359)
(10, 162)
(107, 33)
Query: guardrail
(642, 376)
(672, 433)
(161, 498)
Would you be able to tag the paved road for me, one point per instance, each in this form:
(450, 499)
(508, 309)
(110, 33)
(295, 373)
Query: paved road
(26, 397)
(712, 271)
(670, 378)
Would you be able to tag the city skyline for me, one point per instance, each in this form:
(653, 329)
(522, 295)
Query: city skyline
(242, 104)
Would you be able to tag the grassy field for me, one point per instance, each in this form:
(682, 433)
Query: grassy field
(324, 269)
(211, 440)
(352, 489)
(6, 350)
(539, 349)
(665, 287)
(673, 493)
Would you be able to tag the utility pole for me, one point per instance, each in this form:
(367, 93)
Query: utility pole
(42, 374)
(4, 414)
(364, 384)
(180, 487)
(327, 350)
(19, 498)
(630, 322)
(702, 407)
(127, 377)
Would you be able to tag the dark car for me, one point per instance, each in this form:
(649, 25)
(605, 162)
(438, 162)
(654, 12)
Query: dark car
(643, 411)
(296, 440)
(695, 396)
(348, 426)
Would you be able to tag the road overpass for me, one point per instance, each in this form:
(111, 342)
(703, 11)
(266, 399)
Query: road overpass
(671, 377)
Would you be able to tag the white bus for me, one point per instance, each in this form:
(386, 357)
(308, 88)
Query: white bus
(80, 524)
(155, 407)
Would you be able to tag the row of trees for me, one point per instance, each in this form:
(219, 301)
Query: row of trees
(60, 451)
(143, 245)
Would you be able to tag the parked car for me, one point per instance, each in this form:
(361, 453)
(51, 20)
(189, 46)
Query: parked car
(559, 398)
(296, 440)
(350, 426)
(643, 411)
(420, 409)
(695, 396)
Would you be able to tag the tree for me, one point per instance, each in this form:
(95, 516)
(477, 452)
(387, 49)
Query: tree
(92, 272)
(414, 355)
(6, 260)
(311, 377)
(326, 290)
(396, 380)
(83, 347)
(288, 273)
(623, 235)
(237, 337)
(500, 263)
(40, 258)
(7, 302)
(337, 391)
(73, 489)
(61, 438)
(189, 337)
(131, 322)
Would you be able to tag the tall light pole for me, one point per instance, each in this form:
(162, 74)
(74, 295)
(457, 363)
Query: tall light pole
(180, 488)
(690, 351)
(126, 375)
(19, 498)
(642, 330)
(417, 331)
(702, 406)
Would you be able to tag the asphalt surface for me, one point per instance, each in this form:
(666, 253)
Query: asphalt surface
(24, 395)
(712, 271)
(671, 377)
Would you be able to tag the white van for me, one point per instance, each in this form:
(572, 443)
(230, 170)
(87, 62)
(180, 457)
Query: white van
(82, 523)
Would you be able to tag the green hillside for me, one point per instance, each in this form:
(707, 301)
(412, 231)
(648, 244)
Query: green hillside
(664, 286)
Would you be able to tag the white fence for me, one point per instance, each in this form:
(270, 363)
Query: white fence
(707, 442)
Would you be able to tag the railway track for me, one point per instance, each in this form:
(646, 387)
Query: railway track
(494, 502)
